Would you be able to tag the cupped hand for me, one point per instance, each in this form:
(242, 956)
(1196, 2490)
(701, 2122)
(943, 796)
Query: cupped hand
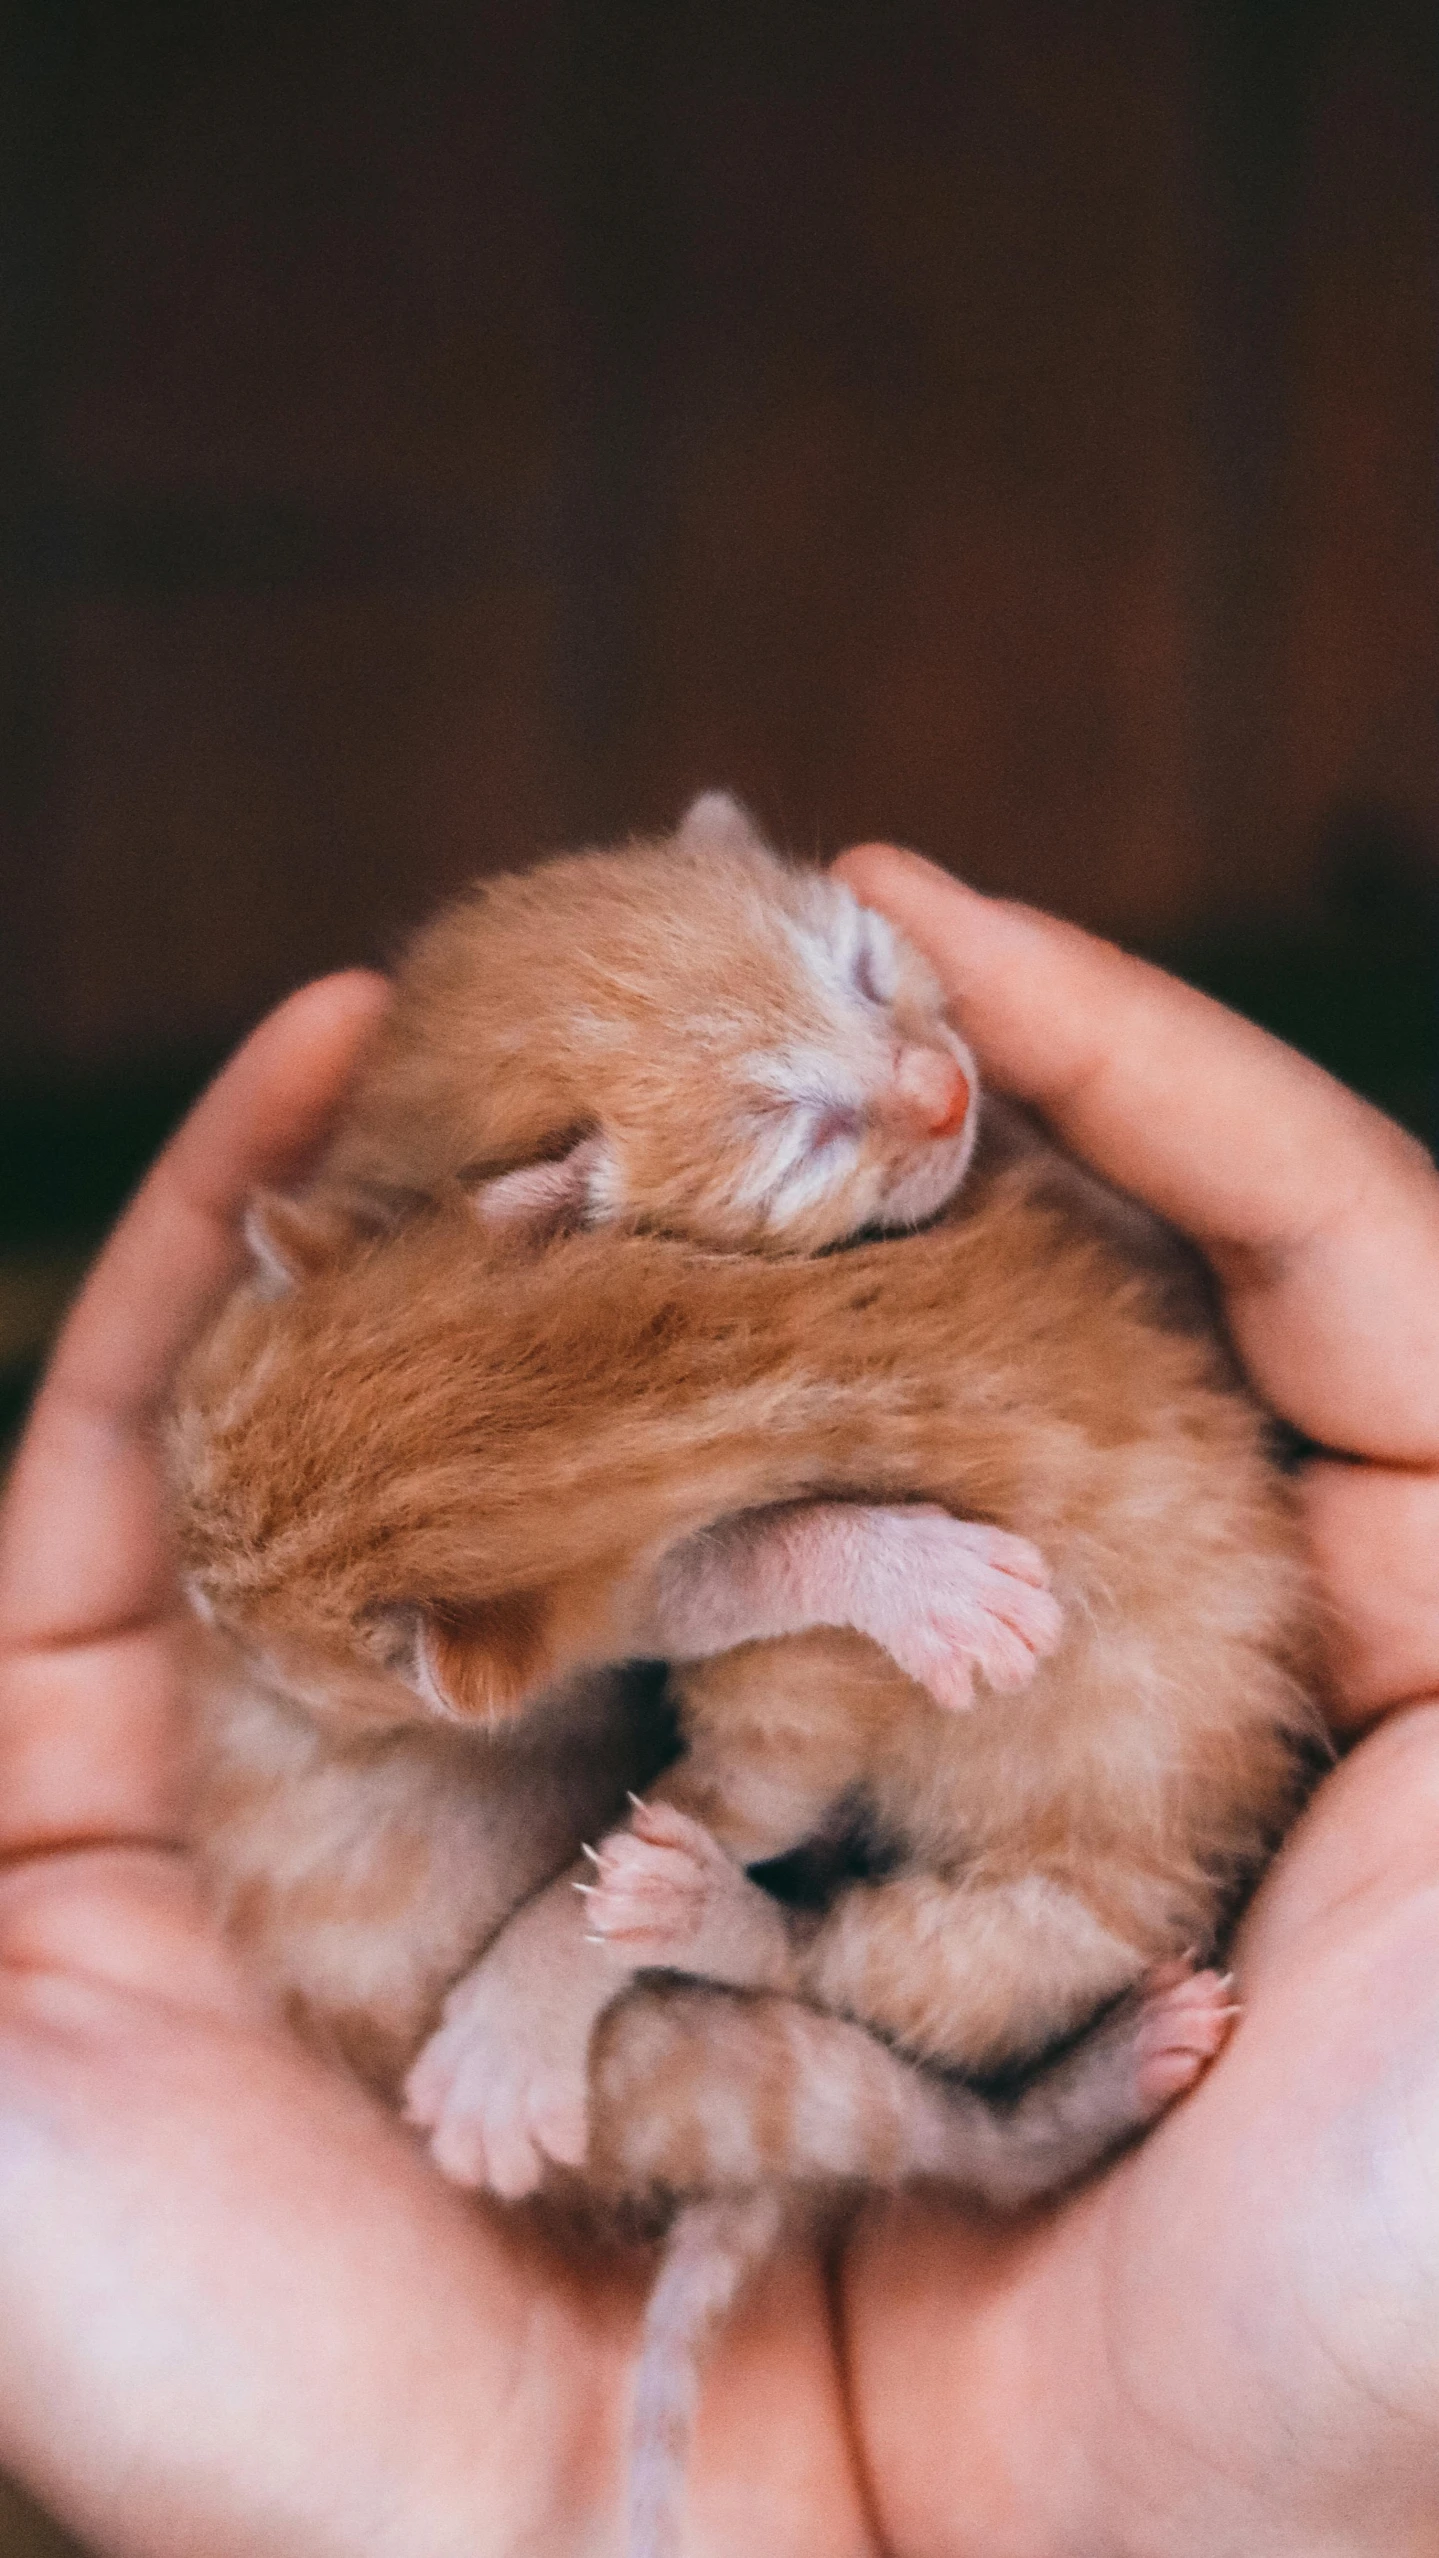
(1230, 2342)
(239, 2314)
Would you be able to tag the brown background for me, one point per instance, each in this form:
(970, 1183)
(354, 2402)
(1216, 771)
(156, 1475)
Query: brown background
(431, 433)
(450, 430)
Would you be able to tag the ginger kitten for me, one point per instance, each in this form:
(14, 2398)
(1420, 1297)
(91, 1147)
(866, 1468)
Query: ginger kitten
(521, 1461)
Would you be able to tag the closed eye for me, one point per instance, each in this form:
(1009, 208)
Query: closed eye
(835, 1122)
(873, 967)
(866, 976)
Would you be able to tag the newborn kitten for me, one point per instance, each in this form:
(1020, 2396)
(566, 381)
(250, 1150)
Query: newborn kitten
(1024, 1864)
(713, 905)
(699, 1040)
(402, 1435)
(430, 1425)
(748, 1055)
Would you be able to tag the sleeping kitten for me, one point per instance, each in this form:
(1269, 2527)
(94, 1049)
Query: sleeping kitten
(1023, 1864)
(688, 1037)
(808, 992)
(437, 1431)
(696, 1039)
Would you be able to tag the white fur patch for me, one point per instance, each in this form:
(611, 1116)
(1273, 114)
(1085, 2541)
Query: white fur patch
(850, 953)
(791, 1163)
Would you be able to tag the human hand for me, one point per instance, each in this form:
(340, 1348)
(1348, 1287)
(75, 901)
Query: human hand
(241, 2315)
(238, 2312)
(1226, 2344)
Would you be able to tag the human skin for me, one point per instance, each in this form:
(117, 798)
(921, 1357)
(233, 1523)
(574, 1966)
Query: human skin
(239, 2313)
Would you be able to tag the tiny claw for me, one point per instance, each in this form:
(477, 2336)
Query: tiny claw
(635, 1801)
(587, 1890)
(591, 1852)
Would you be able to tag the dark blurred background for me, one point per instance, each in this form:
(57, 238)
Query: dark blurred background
(433, 433)
(436, 433)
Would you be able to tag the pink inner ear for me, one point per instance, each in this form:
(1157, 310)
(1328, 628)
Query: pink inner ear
(541, 1199)
(291, 1240)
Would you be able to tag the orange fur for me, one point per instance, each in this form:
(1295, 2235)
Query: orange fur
(686, 1000)
(434, 1422)
(443, 1426)
(433, 1470)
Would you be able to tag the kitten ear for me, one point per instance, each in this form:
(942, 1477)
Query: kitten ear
(544, 1199)
(291, 1240)
(478, 1665)
(717, 818)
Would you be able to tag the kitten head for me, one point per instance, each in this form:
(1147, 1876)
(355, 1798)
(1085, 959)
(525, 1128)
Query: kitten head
(690, 1037)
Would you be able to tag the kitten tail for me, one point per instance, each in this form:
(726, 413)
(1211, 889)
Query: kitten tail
(712, 2249)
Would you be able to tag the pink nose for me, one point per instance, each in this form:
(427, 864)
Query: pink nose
(931, 1092)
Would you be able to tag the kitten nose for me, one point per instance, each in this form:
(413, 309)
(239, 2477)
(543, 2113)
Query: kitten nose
(931, 1092)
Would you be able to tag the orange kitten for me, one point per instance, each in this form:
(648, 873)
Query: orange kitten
(697, 1039)
(690, 1037)
(397, 1439)
(517, 1449)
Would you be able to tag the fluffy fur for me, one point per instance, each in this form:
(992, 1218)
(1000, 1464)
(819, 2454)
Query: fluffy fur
(452, 1454)
(504, 1443)
(745, 1054)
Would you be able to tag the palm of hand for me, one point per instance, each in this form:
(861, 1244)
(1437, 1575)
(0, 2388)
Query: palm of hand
(230, 2284)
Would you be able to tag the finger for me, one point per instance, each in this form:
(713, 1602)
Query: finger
(83, 1552)
(177, 1247)
(1374, 1534)
(130, 1920)
(88, 1662)
(1320, 1217)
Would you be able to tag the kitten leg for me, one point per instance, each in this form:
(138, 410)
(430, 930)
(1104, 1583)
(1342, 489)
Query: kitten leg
(502, 2084)
(1116, 2080)
(700, 2091)
(665, 1896)
(668, 1896)
(967, 1974)
(945, 1597)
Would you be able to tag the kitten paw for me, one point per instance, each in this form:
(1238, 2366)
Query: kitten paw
(954, 1598)
(1185, 2018)
(503, 2094)
(666, 1894)
(656, 1883)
